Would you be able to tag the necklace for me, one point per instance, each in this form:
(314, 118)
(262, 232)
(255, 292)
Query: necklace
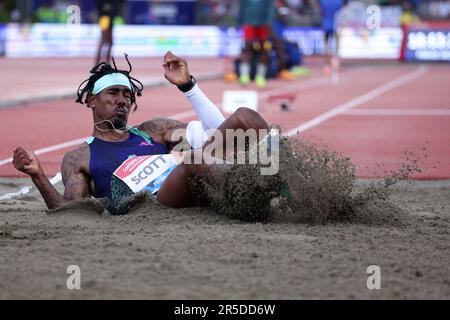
(114, 129)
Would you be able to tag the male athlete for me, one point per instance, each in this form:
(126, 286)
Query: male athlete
(111, 94)
(329, 9)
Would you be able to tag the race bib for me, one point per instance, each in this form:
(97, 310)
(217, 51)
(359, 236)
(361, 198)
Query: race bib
(146, 172)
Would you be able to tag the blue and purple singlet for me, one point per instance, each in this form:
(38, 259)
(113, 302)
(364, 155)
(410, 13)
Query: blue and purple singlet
(106, 157)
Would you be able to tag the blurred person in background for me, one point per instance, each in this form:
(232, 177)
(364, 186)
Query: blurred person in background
(256, 18)
(107, 11)
(288, 53)
(329, 9)
(407, 18)
(408, 15)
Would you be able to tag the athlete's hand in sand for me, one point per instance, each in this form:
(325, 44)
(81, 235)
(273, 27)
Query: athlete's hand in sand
(27, 162)
(175, 69)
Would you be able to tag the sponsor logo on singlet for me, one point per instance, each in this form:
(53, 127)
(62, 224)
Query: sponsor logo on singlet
(146, 172)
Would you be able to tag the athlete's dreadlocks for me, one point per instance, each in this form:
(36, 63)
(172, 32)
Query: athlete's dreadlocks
(101, 70)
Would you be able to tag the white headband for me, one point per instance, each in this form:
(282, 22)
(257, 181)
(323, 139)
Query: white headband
(112, 79)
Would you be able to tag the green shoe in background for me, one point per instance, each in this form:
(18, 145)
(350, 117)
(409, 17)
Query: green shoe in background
(300, 71)
(244, 79)
(260, 81)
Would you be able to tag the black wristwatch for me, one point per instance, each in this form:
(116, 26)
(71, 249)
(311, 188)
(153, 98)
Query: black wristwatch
(185, 87)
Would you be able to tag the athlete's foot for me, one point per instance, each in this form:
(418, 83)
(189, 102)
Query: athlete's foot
(260, 81)
(335, 67)
(335, 63)
(244, 79)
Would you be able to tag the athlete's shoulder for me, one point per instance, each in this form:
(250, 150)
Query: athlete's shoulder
(77, 157)
(161, 124)
(156, 121)
(162, 130)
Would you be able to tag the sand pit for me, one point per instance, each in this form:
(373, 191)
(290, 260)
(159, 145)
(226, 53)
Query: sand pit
(309, 232)
(159, 253)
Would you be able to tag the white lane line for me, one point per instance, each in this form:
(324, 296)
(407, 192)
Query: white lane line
(21, 192)
(372, 94)
(57, 178)
(398, 112)
(49, 149)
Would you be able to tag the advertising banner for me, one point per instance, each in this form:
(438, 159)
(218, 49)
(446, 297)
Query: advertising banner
(62, 40)
(151, 41)
(146, 172)
(427, 42)
(309, 39)
(51, 40)
(383, 43)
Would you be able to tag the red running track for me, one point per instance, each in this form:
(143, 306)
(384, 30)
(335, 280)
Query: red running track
(373, 114)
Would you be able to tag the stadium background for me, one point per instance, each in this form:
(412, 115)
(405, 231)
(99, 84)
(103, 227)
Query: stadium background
(208, 29)
(381, 113)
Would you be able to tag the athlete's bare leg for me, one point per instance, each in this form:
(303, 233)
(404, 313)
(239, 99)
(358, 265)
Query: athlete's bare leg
(106, 40)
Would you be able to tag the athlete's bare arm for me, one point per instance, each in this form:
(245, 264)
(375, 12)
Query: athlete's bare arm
(75, 174)
(166, 131)
(72, 170)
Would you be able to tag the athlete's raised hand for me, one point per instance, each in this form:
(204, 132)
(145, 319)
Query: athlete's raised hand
(26, 161)
(175, 69)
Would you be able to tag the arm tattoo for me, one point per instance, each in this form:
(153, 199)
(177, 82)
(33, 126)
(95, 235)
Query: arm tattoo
(169, 131)
(75, 182)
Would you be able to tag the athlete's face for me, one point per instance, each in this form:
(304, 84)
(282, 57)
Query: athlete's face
(114, 104)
